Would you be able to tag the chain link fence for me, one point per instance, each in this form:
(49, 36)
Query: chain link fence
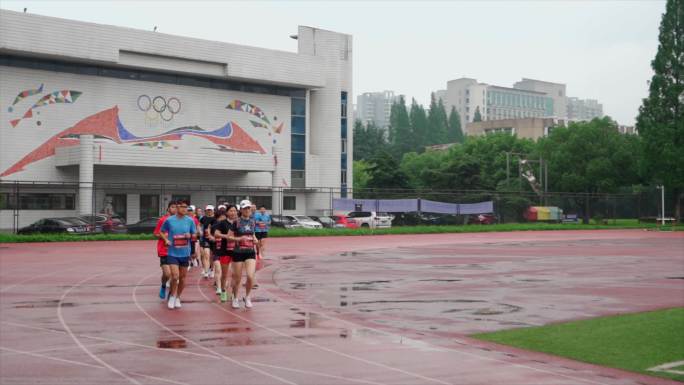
(23, 203)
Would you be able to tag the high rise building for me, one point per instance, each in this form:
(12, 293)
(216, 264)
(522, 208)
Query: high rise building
(584, 109)
(555, 91)
(375, 107)
(494, 102)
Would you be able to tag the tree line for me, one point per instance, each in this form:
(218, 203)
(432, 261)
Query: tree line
(583, 157)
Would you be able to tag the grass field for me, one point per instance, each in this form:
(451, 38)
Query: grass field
(278, 232)
(634, 342)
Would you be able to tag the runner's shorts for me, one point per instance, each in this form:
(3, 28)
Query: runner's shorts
(180, 261)
(261, 235)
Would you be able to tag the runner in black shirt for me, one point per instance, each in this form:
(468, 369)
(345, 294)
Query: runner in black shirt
(244, 256)
(206, 242)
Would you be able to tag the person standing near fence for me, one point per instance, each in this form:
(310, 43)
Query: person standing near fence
(263, 224)
(178, 232)
(162, 249)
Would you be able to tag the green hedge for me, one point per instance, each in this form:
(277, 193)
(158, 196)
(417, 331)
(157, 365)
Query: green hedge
(278, 232)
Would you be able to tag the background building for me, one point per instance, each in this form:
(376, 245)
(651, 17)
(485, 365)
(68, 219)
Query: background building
(135, 109)
(494, 102)
(375, 107)
(584, 109)
(555, 91)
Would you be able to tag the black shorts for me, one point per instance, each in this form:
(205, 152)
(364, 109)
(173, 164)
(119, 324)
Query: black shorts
(162, 261)
(261, 236)
(241, 257)
(215, 256)
(206, 244)
(192, 248)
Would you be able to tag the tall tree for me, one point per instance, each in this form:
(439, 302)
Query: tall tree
(455, 134)
(661, 116)
(384, 172)
(419, 126)
(400, 128)
(477, 117)
(368, 140)
(437, 122)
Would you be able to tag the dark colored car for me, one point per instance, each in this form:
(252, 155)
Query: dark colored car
(111, 224)
(145, 226)
(69, 225)
(284, 222)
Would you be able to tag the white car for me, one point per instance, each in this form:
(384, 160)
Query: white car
(305, 221)
(371, 219)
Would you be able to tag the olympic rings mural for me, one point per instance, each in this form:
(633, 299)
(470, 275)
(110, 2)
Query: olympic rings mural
(159, 107)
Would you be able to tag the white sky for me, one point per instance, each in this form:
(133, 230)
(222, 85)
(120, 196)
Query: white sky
(600, 49)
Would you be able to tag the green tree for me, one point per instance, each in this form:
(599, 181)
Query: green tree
(419, 126)
(661, 116)
(361, 174)
(401, 137)
(590, 157)
(455, 134)
(437, 122)
(384, 172)
(368, 140)
(477, 117)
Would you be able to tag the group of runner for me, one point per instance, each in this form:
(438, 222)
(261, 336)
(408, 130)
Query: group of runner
(224, 241)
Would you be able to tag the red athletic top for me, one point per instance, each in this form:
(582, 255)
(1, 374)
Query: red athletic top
(162, 249)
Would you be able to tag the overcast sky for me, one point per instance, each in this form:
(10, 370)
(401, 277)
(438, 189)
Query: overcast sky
(600, 49)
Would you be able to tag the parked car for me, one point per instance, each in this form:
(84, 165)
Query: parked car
(304, 221)
(327, 222)
(113, 224)
(145, 226)
(371, 219)
(343, 221)
(69, 225)
(284, 222)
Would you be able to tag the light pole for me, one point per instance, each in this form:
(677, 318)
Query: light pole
(662, 204)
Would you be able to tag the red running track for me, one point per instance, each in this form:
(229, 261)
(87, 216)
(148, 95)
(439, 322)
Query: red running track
(338, 310)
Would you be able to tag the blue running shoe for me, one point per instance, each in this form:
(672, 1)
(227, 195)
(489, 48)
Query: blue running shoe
(162, 292)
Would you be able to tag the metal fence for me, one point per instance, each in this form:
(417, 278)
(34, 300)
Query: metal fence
(22, 203)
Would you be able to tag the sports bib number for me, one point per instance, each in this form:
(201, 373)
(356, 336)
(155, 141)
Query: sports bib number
(180, 241)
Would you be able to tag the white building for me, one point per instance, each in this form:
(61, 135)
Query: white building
(98, 106)
(556, 91)
(584, 109)
(494, 102)
(375, 107)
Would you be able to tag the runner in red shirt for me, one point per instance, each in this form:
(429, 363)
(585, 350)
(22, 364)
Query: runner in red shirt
(162, 250)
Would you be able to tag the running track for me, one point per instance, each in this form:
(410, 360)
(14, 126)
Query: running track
(339, 310)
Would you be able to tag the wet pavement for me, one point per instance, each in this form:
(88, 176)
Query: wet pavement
(339, 310)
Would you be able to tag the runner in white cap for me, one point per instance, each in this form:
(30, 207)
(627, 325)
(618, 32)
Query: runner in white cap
(244, 256)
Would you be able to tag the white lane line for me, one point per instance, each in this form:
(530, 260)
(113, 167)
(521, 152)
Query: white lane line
(161, 325)
(315, 373)
(342, 354)
(667, 368)
(121, 342)
(77, 341)
(43, 356)
(474, 355)
(58, 349)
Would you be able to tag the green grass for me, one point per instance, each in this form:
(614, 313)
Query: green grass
(633, 342)
(278, 232)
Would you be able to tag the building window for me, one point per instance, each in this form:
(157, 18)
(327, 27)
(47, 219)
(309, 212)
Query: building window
(119, 204)
(298, 141)
(149, 205)
(344, 146)
(289, 203)
(145, 75)
(343, 177)
(38, 201)
(262, 200)
(343, 137)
